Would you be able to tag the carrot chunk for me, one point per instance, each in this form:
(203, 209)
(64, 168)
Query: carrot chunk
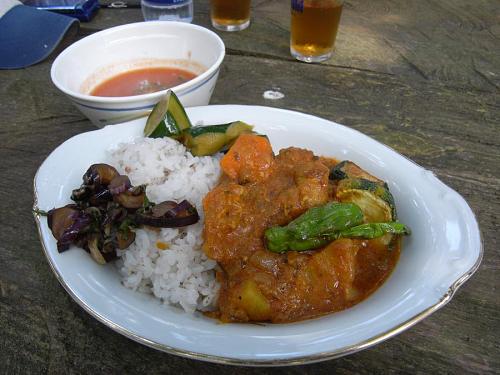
(249, 159)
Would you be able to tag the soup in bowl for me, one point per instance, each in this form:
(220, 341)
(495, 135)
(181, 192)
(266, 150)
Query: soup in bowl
(142, 81)
(128, 50)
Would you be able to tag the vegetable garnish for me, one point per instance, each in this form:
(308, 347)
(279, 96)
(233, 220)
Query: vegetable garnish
(368, 192)
(319, 226)
(210, 139)
(107, 209)
(169, 119)
(375, 230)
(312, 225)
(168, 214)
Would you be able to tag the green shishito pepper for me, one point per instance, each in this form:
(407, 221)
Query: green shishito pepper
(313, 223)
(332, 216)
(320, 225)
(375, 230)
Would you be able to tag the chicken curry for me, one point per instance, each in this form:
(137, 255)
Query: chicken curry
(278, 260)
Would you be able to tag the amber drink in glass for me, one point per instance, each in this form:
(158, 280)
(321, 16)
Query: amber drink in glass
(230, 15)
(314, 28)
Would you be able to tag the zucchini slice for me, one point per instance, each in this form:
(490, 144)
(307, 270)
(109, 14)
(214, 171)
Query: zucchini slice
(206, 143)
(355, 185)
(237, 128)
(348, 169)
(167, 119)
(210, 139)
(375, 209)
(199, 130)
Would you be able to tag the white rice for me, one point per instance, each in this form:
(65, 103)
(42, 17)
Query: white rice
(181, 275)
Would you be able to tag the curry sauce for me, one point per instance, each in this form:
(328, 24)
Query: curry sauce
(261, 190)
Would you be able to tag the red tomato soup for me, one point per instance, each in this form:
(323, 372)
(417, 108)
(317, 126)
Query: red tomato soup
(142, 81)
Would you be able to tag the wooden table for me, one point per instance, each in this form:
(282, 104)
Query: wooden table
(420, 76)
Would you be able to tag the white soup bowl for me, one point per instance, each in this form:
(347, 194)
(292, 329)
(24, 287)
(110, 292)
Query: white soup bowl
(100, 56)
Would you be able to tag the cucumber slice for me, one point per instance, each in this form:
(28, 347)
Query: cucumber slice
(167, 119)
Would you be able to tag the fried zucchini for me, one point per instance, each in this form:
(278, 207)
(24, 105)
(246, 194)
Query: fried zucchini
(372, 195)
(347, 169)
(208, 140)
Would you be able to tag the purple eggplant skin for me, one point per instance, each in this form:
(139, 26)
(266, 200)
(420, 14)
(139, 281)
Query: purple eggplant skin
(94, 189)
(82, 193)
(107, 209)
(99, 174)
(67, 224)
(170, 222)
(129, 200)
(119, 184)
(168, 214)
(100, 197)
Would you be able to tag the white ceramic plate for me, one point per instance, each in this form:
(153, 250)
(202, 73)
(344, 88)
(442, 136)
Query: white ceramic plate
(444, 250)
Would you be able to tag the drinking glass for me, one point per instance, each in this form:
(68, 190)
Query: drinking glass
(314, 28)
(230, 15)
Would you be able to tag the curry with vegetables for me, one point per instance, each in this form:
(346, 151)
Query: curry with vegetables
(296, 235)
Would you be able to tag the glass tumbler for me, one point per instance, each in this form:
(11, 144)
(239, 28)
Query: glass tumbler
(230, 15)
(314, 28)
